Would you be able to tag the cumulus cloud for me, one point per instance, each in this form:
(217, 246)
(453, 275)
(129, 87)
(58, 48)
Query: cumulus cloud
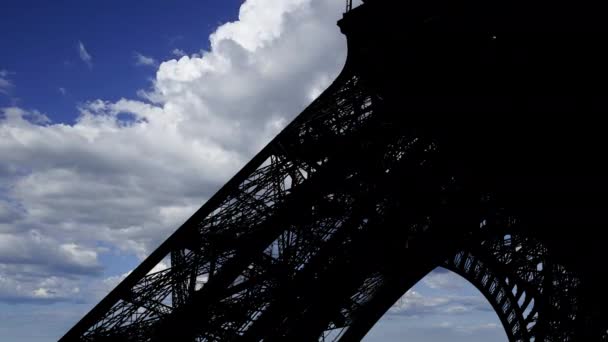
(144, 60)
(18, 115)
(84, 55)
(127, 173)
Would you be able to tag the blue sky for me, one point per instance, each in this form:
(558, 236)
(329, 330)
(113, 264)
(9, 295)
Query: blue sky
(40, 41)
(99, 100)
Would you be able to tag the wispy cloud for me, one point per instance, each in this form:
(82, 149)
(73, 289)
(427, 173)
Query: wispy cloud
(5, 83)
(62, 90)
(171, 40)
(443, 279)
(144, 60)
(468, 329)
(414, 303)
(178, 52)
(84, 54)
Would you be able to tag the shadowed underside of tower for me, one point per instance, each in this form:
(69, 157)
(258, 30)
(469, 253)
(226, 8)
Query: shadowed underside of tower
(459, 134)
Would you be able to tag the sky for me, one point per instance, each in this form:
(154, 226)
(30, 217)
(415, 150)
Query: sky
(118, 119)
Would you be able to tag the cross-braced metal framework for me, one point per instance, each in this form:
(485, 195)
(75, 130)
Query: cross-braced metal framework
(532, 296)
(334, 220)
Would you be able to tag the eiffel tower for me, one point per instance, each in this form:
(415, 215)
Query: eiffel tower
(466, 135)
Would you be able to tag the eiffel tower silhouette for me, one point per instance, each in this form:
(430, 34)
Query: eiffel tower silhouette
(466, 135)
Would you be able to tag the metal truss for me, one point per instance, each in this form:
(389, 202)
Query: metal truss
(329, 225)
(304, 243)
(291, 217)
(256, 232)
(535, 298)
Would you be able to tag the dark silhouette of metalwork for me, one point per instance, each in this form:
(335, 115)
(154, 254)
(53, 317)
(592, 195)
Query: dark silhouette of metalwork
(466, 135)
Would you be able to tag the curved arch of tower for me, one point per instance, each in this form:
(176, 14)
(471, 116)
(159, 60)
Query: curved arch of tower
(457, 135)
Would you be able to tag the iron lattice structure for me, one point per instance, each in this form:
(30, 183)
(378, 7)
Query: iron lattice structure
(383, 178)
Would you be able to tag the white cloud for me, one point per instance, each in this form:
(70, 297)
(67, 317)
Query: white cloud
(178, 52)
(128, 173)
(443, 279)
(18, 116)
(17, 287)
(456, 309)
(469, 329)
(62, 90)
(144, 60)
(84, 54)
(161, 266)
(36, 249)
(482, 326)
(413, 303)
